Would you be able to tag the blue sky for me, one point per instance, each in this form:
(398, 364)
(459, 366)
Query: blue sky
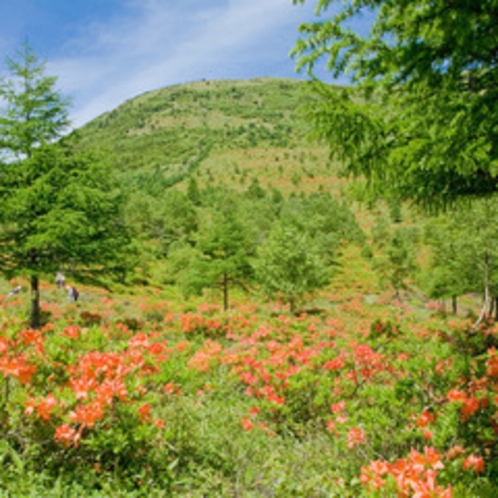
(107, 51)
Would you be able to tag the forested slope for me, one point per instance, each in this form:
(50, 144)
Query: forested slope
(231, 130)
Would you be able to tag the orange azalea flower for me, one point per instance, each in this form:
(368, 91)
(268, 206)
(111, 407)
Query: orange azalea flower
(66, 434)
(81, 387)
(417, 460)
(46, 406)
(335, 364)
(72, 331)
(338, 407)
(248, 378)
(182, 345)
(157, 348)
(139, 340)
(415, 476)
(469, 407)
(247, 424)
(109, 389)
(17, 367)
(87, 415)
(144, 412)
(356, 436)
(170, 388)
(456, 395)
(474, 462)
(492, 365)
(426, 418)
(254, 410)
(371, 475)
(380, 467)
(30, 406)
(341, 419)
(30, 336)
(433, 458)
(427, 434)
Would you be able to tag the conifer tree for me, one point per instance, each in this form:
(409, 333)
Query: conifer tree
(225, 249)
(57, 206)
(289, 265)
(35, 113)
(419, 121)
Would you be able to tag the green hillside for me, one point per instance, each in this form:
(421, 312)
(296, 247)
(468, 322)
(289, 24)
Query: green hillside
(230, 130)
(185, 153)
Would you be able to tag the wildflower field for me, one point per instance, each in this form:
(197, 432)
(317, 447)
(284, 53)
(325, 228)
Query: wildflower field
(142, 395)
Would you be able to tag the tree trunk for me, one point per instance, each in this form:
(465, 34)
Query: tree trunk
(397, 295)
(292, 303)
(491, 307)
(486, 292)
(225, 291)
(454, 304)
(35, 303)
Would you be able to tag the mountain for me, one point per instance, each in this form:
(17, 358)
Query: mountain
(228, 131)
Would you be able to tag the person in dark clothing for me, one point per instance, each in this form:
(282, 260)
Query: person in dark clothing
(14, 291)
(72, 293)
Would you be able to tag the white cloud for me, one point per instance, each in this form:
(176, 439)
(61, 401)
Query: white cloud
(156, 43)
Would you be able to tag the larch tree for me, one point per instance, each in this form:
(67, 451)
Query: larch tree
(397, 261)
(464, 253)
(419, 120)
(289, 265)
(218, 254)
(34, 112)
(225, 248)
(57, 206)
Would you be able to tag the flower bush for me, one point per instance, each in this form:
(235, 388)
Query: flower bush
(352, 402)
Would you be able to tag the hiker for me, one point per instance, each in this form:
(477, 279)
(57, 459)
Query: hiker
(72, 293)
(60, 280)
(14, 291)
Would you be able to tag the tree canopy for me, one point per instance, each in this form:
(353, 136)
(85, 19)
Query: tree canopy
(289, 264)
(220, 257)
(420, 119)
(35, 113)
(62, 208)
(58, 207)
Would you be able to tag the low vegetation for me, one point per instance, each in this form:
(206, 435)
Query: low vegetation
(148, 395)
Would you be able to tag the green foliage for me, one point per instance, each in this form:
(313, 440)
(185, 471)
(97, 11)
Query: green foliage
(289, 265)
(420, 123)
(162, 137)
(398, 260)
(58, 207)
(162, 220)
(174, 149)
(463, 249)
(327, 220)
(221, 255)
(35, 113)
